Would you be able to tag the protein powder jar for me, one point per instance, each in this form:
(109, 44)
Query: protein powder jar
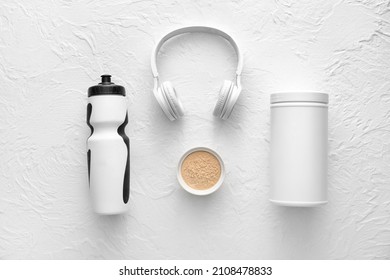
(299, 153)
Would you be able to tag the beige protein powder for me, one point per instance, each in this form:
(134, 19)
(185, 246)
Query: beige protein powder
(201, 170)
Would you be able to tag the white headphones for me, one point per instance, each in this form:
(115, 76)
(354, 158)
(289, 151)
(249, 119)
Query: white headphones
(166, 95)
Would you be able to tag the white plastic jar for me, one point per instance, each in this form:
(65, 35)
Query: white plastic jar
(299, 153)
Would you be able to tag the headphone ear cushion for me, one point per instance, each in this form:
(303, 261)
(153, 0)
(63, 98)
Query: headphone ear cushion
(222, 98)
(174, 102)
(233, 96)
(159, 95)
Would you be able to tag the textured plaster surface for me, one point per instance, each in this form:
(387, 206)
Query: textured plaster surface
(52, 51)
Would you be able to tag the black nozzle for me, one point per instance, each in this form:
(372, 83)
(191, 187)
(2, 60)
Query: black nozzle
(106, 79)
(106, 87)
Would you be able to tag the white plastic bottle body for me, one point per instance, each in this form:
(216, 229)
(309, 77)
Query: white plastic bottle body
(299, 153)
(108, 154)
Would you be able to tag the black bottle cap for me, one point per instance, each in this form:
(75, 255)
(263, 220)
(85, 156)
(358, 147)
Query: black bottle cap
(106, 87)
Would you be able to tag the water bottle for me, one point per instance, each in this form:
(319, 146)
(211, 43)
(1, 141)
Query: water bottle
(108, 152)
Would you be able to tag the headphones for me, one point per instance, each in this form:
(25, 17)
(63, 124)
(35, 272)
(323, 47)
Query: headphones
(166, 94)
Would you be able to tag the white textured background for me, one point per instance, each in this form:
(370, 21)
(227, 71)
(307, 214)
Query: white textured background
(52, 51)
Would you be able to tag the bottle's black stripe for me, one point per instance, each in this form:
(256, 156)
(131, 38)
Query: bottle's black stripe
(89, 166)
(126, 180)
(89, 113)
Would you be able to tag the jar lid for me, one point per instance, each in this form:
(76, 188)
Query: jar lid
(299, 97)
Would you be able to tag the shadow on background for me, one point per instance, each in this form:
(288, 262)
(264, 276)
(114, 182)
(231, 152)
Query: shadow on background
(300, 232)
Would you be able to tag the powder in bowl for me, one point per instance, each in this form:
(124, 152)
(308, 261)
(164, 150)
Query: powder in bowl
(201, 170)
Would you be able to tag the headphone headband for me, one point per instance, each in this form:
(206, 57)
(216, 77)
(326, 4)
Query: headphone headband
(193, 29)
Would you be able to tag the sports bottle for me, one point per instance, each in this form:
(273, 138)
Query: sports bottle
(108, 152)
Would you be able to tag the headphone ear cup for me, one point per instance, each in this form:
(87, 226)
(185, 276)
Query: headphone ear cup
(222, 98)
(159, 95)
(174, 102)
(233, 96)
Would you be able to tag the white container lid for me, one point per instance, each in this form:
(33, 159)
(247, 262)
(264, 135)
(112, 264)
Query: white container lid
(318, 97)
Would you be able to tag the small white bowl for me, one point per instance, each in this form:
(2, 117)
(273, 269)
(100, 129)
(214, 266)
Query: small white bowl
(195, 191)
